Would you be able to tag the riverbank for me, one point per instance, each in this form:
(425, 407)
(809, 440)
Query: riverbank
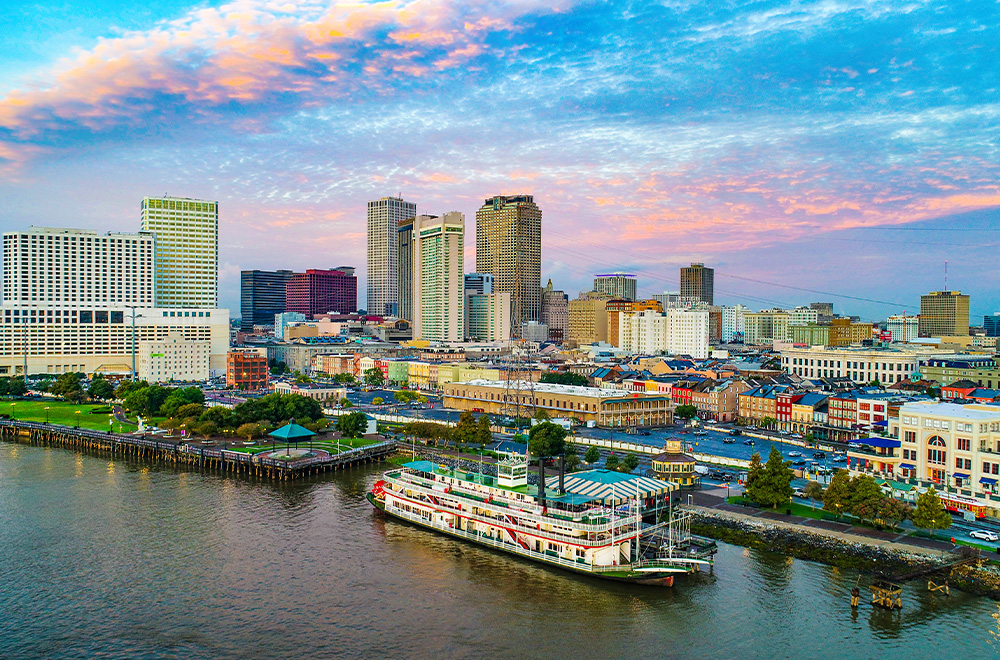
(874, 557)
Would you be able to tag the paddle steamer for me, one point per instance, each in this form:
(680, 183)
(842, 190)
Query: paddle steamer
(601, 523)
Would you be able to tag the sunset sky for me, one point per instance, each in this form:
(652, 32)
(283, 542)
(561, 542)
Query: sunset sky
(802, 148)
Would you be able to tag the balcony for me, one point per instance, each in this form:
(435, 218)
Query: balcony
(871, 453)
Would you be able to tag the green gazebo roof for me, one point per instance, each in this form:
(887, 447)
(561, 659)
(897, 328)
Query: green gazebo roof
(291, 431)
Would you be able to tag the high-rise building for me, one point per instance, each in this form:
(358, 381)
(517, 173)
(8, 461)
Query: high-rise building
(903, 328)
(991, 325)
(187, 250)
(698, 282)
(824, 310)
(555, 312)
(619, 285)
(404, 279)
(944, 314)
(766, 327)
(733, 324)
(509, 247)
(478, 283)
(588, 318)
(675, 332)
(667, 299)
(487, 316)
(439, 277)
(262, 295)
(321, 291)
(74, 300)
(618, 306)
(803, 316)
(384, 218)
(283, 320)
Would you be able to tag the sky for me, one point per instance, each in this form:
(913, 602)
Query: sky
(830, 150)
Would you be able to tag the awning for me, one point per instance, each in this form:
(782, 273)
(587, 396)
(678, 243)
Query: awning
(614, 486)
(959, 475)
(881, 443)
(987, 481)
(907, 466)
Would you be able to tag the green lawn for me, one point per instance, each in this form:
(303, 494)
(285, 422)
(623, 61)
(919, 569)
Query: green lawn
(62, 412)
(801, 510)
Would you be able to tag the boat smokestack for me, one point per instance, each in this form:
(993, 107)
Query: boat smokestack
(562, 475)
(541, 481)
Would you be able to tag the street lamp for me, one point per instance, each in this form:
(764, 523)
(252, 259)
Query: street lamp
(12, 415)
(46, 414)
(77, 419)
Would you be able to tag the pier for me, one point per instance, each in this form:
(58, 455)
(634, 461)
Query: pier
(182, 452)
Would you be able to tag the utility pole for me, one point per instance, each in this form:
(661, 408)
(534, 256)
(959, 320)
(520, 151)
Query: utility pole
(135, 376)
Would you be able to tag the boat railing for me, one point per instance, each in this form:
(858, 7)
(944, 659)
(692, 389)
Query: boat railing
(535, 516)
(596, 517)
(579, 564)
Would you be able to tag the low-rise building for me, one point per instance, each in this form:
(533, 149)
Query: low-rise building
(606, 408)
(674, 465)
(246, 369)
(322, 393)
(861, 365)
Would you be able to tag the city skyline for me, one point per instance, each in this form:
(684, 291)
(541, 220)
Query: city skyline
(854, 162)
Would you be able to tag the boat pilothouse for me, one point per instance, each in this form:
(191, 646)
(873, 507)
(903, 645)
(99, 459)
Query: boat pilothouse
(598, 522)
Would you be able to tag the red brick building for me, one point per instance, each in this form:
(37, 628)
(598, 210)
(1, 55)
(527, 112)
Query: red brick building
(246, 370)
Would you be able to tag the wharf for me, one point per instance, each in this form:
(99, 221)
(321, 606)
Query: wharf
(180, 452)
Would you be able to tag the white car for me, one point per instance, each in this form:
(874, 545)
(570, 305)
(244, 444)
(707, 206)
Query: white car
(984, 535)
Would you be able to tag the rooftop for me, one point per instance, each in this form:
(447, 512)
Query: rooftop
(972, 411)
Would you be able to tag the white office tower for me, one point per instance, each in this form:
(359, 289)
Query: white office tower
(187, 250)
(487, 316)
(903, 328)
(71, 297)
(674, 332)
(733, 325)
(439, 277)
(384, 216)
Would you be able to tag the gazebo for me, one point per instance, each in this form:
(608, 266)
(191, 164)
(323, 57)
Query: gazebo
(291, 433)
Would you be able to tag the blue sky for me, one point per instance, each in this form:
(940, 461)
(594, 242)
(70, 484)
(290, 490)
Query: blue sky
(801, 148)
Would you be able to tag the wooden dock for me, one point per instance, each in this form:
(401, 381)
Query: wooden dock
(180, 452)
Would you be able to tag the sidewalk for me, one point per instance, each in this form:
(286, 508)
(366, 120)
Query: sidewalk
(710, 501)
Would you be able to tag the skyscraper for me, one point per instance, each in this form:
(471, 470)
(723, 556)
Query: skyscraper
(384, 216)
(698, 282)
(555, 312)
(321, 291)
(944, 314)
(619, 285)
(404, 277)
(509, 247)
(262, 295)
(187, 250)
(439, 277)
(478, 283)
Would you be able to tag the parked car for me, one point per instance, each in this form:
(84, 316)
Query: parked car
(818, 454)
(798, 492)
(984, 535)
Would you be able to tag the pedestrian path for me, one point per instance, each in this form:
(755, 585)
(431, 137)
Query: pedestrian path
(716, 504)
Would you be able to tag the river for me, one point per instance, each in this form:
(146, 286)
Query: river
(111, 559)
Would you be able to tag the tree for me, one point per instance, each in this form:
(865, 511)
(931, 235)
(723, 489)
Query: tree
(346, 403)
(374, 377)
(564, 378)
(930, 512)
(206, 429)
(466, 430)
(773, 486)
(17, 387)
(190, 410)
(249, 431)
(686, 412)
(612, 462)
(541, 414)
(768, 422)
(592, 455)
(547, 439)
(484, 434)
(427, 430)
(401, 396)
(67, 386)
(572, 459)
(378, 401)
(837, 497)
(221, 417)
(754, 473)
(892, 512)
(345, 379)
(101, 389)
(352, 425)
(126, 387)
(866, 498)
(809, 439)
(630, 463)
(814, 491)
